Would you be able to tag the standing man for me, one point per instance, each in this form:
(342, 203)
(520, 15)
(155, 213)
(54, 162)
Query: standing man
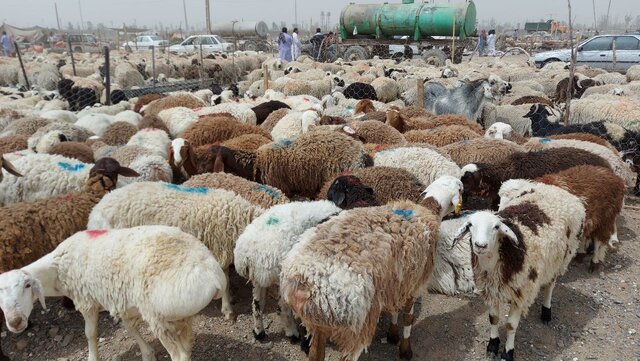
(491, 43)
(285, 41)
(296, 48)
(5, 40)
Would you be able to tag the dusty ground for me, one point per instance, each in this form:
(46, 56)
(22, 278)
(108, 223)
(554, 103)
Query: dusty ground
(595, 317)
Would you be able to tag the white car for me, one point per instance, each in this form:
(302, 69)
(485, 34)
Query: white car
(146, 42)
(208, 43)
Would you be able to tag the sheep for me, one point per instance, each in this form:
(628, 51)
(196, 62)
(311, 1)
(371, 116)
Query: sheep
(360, 91)
(373, 131)
(13, 143)
(154, 139)
(485, 179)
(214, 129)
(624, 111)
(242, 112)
(246, 142)
(60, 115)
(602, 194)
(619, 167)
(215, 216)
(152, 121)
(74, 150)
(45, 137)
(126, 75)
(528, 244)
(166, 294)
(274, 118)
(387, 183)
(294, 124)
(386, 89)
(633, 73)
(466, 99)
(128, 116)
(364, 246)
(261, 195)
(441, 136)
(25, 126)
(111, 110)
(586, 137)
(118, 133)
(95, 123)
(178, 120)
(146, 99)
(182, 100)
(265, 109)
(504, 131)
(425, 164)
(481, 150)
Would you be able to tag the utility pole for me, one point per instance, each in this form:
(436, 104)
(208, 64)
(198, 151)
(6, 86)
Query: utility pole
(81, 19)
(186, 23)
(608, 10)
(55, 5)
(295, 7)
(595, 21)
(206, 5)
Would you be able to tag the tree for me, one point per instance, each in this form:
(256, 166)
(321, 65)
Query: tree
(627, 21)
(70, 26)
(89, 26)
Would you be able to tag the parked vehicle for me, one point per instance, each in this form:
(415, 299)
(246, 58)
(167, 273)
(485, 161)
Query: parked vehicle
(249, 35)
(145, 42)
(84, 43)
(208, 43)
(598, 52)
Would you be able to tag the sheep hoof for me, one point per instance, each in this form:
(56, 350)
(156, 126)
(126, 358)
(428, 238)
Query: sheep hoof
(405, 349)
(594, 267)
(580, 257)
(507, 355)
(545, 316)
(305, 344)
(494, 346)
(232, 317)
(293, 339)
(393, 335)
(259, 336)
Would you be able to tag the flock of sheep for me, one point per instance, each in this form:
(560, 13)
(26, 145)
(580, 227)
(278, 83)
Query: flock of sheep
(338, 184)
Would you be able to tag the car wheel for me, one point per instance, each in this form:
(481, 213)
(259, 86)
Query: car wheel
(549, 61)
(355, 52)
(77, 49)
(435, 57)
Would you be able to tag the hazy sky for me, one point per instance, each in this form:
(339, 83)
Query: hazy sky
(152, 12)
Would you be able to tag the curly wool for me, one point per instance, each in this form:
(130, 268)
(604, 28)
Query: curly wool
(25, 126)
(241, 112)
(13, 143)
(154, 139)
(178, 119)
(302, 166)
(215, 129)
(259, 194)
(44, 138)
(145, 100)
(452, 271)
(172, 101)
(425, 164)
(373, 131)
(214, 216)
(152, 121)
(273, 119)
(388, 184)
(74, 150)
(246, 142)
(481, 150)
(441, 136)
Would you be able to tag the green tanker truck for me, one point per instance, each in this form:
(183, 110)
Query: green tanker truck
(433, 30)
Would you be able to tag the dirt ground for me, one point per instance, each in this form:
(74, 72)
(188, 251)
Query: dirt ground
(595, 317)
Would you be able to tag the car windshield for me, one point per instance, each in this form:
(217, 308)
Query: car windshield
(91, 39)
(189, 41)
(598, 44)
(218, 39)
(155, 38)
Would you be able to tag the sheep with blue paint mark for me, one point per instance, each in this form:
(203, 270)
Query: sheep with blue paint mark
(43, 175)
(216, 217)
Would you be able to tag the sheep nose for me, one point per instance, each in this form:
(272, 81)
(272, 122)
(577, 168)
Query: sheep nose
(15, 323)
(481, 246)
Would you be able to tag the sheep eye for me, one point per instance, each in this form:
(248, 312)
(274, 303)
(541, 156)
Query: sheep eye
(28, 285)
(496, 226)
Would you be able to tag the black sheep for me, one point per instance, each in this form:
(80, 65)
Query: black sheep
(65, 87)
(118, 96)
(349, 192)
(360, 91)
(263, 110)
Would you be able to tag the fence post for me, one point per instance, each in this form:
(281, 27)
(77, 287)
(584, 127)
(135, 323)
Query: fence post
(453, 40)
(107, 75)
(24, 72)
(615, 58)
(420, 93)
(153, 65)
(201, 65)
(265, 84)
(73, 61)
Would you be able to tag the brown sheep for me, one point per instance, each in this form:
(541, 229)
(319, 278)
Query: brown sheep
(215, 129)
(532, 99)
(119, 133)
(13, 143)
(273, 119)
(441, 136)
(246, 142)
(364, 106)
(146, 99)
(587, 137)
(152, 121)
(75, 150)
(173, 101)
(481, 150)
(372, 131)
(602, 193)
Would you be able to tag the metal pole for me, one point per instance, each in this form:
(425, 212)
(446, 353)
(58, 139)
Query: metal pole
(184, 8)
(295, 7)
(107, 75)
(24, 72)
(615, 59)
(153, 64)
(265, 80)
(81, 19)
(608, 10)
(453, 41)
(55, 5)
(595, 22)
(208, 13)
(73, 61)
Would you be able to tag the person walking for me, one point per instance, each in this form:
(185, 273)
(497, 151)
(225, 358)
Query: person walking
(296, 48)
(7, 47)
(482, 41)
(491, 42)
(284, 45)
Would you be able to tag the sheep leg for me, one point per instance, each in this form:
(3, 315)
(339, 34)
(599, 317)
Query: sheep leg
(257, 309)
(393, 335)
(318, 344)
(3, 357)
(227, 309)
(185, 335)
(168, 335)
(545, 316)
(599, 251)
(512, 325)
(494, 337)
(91, 332)
(405, 343)
(288, 322)
(145, 349)
(582, 250)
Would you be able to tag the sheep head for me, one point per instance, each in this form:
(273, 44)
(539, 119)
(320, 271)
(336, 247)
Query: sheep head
(447, 191)
(513, 189)
(364, 106)
(487, 230)
(104, 174)
(19, 290)
(498, 130)
(348, 192)
(182, 158)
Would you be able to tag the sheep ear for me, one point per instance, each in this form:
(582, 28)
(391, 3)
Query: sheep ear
(507, 232)
(9, 167)
(218, 164)
(170, 153)
(336, 196)
(63, 138)
(532, 111)
(127, 172)
(456, 202)
(462, 231)
(38, 292)
(189, 164)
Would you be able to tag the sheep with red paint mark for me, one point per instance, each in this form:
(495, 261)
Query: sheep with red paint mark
(527, 245)
(157, 274)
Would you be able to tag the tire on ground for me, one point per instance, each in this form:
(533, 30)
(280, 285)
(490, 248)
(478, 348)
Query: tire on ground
(435, 57)
(355, 52)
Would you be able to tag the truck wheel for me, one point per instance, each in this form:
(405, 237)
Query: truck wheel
(355, 52)
(264, 46)
(77, 49)
(381, 51)
(435, 57)
(330, 53)
(249, 46)
(398, 56)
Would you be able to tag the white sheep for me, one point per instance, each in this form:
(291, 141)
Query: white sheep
(154, 139)
(293, 124)
(178, 119)
(263, 245)
(528, 244)
(157, 274)
(426, 164)
(216, 217)
(240, 111)
(95, 123)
